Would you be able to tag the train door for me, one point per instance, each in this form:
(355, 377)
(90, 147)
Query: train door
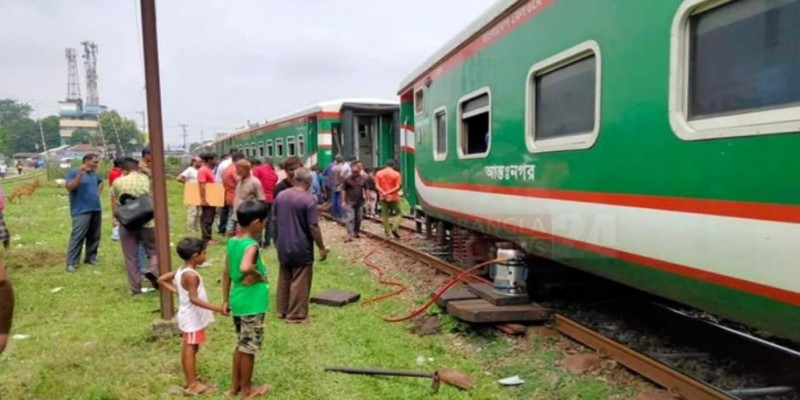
(337, 138)
(366, 145)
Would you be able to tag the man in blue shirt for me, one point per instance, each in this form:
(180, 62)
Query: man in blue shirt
(83, 185)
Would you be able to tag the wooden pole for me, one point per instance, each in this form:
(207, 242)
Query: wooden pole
(153, 86)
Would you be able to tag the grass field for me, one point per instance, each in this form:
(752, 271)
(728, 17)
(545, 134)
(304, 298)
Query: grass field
(84, 337)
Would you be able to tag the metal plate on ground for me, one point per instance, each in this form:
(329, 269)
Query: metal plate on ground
(487, 292)
(482, 312)
(335, 298)
(455, 295)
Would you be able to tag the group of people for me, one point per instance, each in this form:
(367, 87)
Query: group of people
(354, 192)
(264, 205)
(129, 179)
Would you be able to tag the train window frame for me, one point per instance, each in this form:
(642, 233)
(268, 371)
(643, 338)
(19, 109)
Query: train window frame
(279, 149)
(735, 124)
(460, 123)
(437, 156)
(270, 148)
(301, 145)
(579, 141)
(419, 101)
(291, 146)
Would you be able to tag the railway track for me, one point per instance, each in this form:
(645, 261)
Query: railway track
(681, 385)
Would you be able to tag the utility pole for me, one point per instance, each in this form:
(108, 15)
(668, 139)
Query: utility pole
(166, 326)
(41, 131)
(116, 132)
(184, 127)
(144, 125)
(102, 136)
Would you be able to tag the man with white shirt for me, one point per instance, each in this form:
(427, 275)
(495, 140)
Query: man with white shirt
(190, 175)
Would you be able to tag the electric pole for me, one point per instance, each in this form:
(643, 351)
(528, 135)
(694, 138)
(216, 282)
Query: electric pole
(116, 132)
(41, 131)
(144, 124)
(184, 127)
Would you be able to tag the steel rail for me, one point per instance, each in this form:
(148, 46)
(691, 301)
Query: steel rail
(677, 383)
(415, 254)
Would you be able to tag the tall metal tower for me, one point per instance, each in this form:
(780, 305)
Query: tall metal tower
(90, 64)
(73, 85)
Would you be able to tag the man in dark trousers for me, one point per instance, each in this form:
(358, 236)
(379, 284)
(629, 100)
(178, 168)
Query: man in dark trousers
(6, 307)
(297, 230)
(205, 176)
(83, 186)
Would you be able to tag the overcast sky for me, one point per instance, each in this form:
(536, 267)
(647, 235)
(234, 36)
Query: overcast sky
(225, 62)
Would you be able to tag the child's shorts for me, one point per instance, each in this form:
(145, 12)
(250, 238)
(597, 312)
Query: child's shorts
(198, 337)
(250, 333)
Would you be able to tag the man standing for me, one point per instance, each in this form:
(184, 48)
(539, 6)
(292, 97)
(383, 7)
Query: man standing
(229, 181)
(190, 175)
(6, 306)
(247, 189)
(336, 182)
(83, 185)
(145, 167)
(265, 173)
(131, 185)
(353, 200)
(297, 229)
(290, 165)
(205, 176)
(389, 182)
(219, 173)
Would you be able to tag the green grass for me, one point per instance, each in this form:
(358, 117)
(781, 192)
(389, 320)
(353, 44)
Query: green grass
(91, 340)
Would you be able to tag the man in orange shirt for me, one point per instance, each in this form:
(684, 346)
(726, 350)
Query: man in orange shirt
(229, 182)
(389, 182)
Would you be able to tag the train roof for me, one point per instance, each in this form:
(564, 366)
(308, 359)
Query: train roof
(462, 37)
(321, 107)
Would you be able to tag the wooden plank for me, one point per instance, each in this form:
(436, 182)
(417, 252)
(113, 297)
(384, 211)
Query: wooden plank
(335, 298)
(487, 292)
(455, 295)
(482, 312)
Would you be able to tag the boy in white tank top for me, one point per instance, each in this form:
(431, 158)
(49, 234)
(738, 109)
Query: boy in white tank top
(195, 313)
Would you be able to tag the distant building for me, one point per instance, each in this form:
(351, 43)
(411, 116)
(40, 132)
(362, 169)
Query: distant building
(73, 116)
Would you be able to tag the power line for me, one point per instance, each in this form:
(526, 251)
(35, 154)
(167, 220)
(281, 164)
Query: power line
(184, 127)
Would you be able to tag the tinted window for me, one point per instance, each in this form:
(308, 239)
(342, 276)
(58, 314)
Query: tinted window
(441, 133)
(744, 56)
(565, 100)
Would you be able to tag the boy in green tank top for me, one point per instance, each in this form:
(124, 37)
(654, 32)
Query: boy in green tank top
(245, 290)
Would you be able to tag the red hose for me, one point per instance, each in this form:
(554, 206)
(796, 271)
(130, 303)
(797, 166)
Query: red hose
(401, 288)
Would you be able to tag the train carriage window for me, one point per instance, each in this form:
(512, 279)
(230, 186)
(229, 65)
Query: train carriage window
(270, 149)
(279, 147)
(291, 147)
(563, 100)
(735, 68)
(440, 134)
(301, 145)
(419, 101)
(474, 124)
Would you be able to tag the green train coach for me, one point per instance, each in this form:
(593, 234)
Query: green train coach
(365, 128)
(648, 142)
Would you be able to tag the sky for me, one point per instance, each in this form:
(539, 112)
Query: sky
(224, 62)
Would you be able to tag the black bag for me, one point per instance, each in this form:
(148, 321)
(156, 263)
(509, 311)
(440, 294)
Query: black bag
(136, 212)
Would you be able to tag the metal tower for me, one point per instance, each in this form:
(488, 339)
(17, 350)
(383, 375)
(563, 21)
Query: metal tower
(90, 64)
(73, 85)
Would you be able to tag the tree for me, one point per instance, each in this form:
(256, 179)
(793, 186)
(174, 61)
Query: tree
(129, 135)
(82, 136)
(11, 110)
